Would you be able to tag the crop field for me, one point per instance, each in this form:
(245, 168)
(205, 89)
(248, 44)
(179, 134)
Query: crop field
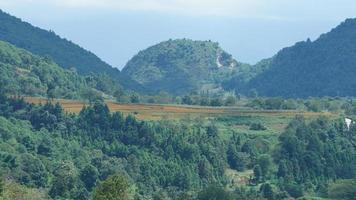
(158, 112)
(227, 119)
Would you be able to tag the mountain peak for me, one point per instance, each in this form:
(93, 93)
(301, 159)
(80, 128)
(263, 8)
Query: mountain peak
(179, 66)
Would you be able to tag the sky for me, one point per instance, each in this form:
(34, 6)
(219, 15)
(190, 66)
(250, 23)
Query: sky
(250, 30)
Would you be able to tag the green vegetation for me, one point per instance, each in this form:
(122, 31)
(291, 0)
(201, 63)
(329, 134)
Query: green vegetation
(324, 67)
(115, 187)
(77, 156)
(65, 53)
(181, 66)
(254, 148)
(23, 73)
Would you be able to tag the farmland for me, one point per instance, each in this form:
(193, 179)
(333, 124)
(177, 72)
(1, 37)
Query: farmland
(227, 119)
(158, 112)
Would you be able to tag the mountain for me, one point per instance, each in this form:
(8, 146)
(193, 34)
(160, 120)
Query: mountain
(181, 66)
(65, 53)
(245, 74)
(324, 67)
(22, 73)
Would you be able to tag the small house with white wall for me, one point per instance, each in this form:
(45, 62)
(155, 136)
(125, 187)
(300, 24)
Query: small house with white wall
(348, 123)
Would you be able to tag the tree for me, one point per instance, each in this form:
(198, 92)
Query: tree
(187, 100)
(257, 127)
(65, 181)
(115, 187)
(265, 162)
(215, 193)
(2, 185)
(45, 147)
(89, 175)
(204, 101)
(118, 94)
(216, 102)
(92, 95)
(237, 160)
(282, 169)
(212, 131)
(34, 172)
(134, 98)
(257, 171)
(230, 101)
(343, 190)
(294, 189)
(267, 191)
(252, 93)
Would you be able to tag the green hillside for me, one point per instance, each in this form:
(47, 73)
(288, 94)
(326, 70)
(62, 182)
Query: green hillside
(65, 53)
(181, 66)
(23, 73)
(324, 67)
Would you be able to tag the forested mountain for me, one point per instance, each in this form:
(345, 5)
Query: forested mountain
(181, 66)
(324, 67)
(65, 53)
(25, 74)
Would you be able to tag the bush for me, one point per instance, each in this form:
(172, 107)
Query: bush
(343, 189)
(257, 127)
(116, 187)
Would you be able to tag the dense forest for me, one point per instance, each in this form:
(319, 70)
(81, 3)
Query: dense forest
(324, 67)
(73, 156)
(181, 66)
(65, 53)
(23, 73)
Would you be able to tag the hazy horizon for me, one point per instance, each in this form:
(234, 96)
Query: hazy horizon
(117, 30)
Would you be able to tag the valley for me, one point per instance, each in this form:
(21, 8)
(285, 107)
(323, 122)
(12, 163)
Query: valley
(182, 120)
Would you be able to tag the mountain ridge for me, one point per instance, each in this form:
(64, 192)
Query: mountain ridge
(64, 52)
(324, 67)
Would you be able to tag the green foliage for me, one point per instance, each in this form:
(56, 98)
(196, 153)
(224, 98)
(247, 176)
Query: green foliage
(265, 162)
(115, 187)
(77, 151)
(13, 190)
(230, 101)
(134, 98)
(23, 73)
(257, 172)
(180, 66)
(2, 185)
(324, 67)
(294, 190)
(343, 189)
(267, 191)
(311, 154)
(65, 53)
(215, 193)
(44, 147)
(238, 160)
(257, 127)
(89, 175)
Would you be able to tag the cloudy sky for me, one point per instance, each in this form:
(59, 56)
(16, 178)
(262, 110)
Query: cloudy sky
(249, 29)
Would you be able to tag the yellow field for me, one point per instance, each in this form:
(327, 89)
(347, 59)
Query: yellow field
(157, 112)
